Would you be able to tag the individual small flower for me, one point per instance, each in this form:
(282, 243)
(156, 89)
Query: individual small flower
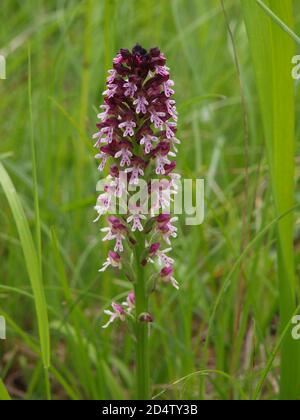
(118, 59)
(168, 88)
(129, 128)
(111, 91)
(162, 70)
(130, 89)
(165, 228)
(160, 255)
(124, 153)
(113, 260)
(117, 313)
(173, 142)
(169, 168)
(164, 259)
(166, 276)
(136, 170)
(175, 181)
(170, 104)
(104, 115)
(141, 103)
(112, 75)
(105, 135)
(154, 249)
(162, 195)
(105, 201)
(117, 231)
(169, 129)
(103, 157)
(136, 218)
(103, 205)
(147, 141)
(155, 118)
(161, 162)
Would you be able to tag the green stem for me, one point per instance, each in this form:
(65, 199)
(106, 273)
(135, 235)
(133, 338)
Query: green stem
(47, 384)
(142, 350)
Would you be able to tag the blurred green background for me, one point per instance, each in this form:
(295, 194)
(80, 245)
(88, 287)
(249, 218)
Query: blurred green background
(71, 45)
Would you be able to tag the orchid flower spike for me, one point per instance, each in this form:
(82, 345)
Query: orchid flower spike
(137, 137)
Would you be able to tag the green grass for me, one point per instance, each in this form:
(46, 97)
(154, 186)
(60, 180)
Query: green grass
(276, 94)
(226, 333)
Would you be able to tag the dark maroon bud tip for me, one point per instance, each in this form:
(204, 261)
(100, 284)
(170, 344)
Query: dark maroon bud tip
(138, 50)
(114, 256)
(169, 168)
(125, 53)
(114, 171)
(154, 248)
(167, 271)
(113, 220)
(155, 52)
(132, 241)
(163, 218)
(146, 317)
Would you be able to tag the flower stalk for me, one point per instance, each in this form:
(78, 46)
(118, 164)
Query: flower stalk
(142, 348)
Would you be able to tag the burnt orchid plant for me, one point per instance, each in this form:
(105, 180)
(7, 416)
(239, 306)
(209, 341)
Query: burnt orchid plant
(137, 138)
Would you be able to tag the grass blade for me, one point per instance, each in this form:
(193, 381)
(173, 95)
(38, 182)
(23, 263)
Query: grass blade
(32, 262)
(272, 357)
(4, 395)
(34, 166)
(272, 50)
(278, 21)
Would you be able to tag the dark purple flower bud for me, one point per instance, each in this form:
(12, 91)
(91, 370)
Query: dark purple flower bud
(138, 50)
(110, 149)
(163, 218)
(167, 271)
(163, 148)
(125, 53)
(121, 70)
(154, 248)
(166, 275)
(114, 256)
(113, 220)
(170, 168)
(155, 52)
(114, 171)
(146, 317)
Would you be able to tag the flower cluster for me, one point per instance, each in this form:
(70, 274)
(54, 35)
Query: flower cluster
(137, 136)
